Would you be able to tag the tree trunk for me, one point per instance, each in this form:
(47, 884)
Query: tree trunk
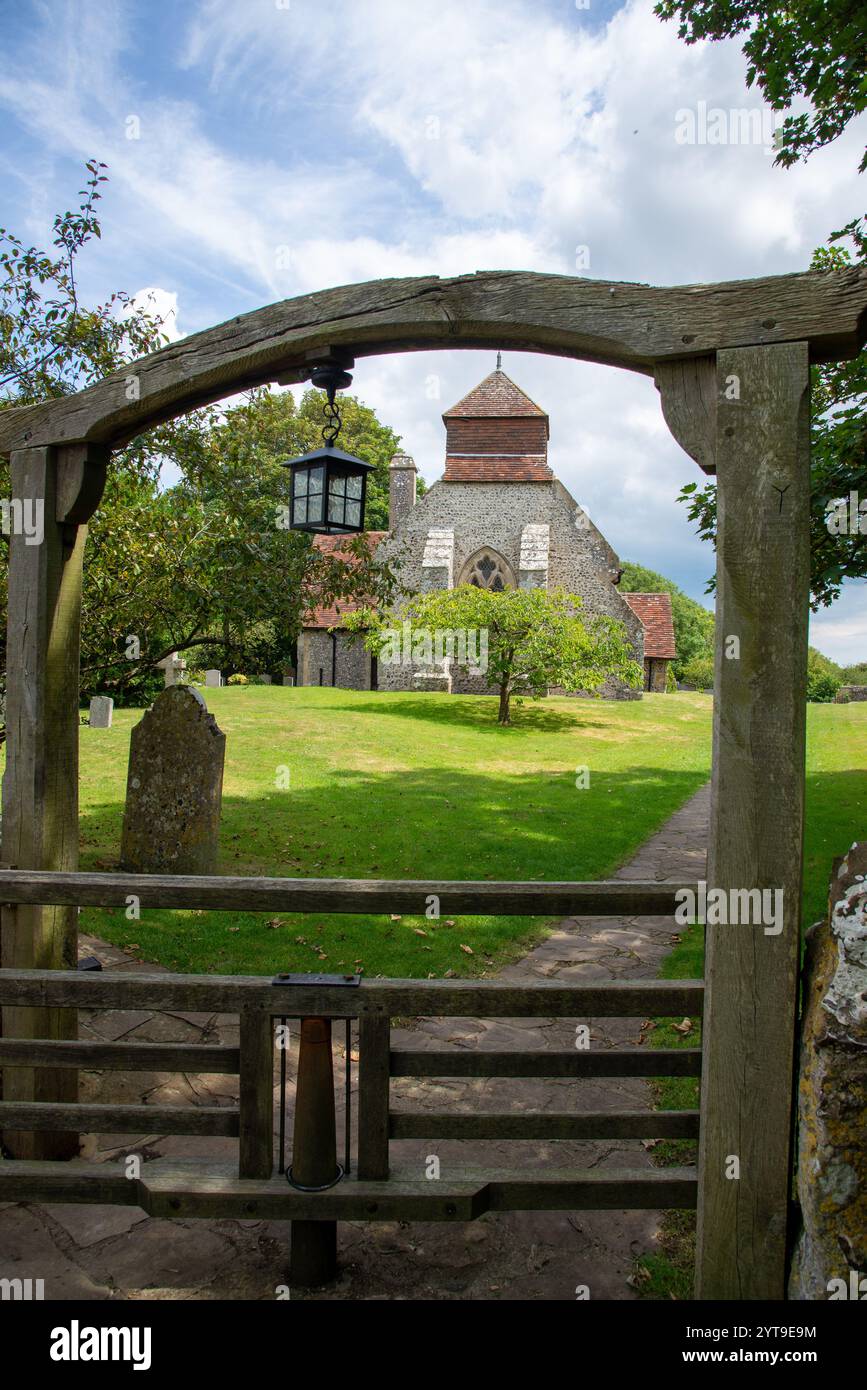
(505, 693)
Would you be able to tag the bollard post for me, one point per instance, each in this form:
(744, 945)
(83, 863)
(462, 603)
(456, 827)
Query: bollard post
(313, 1258)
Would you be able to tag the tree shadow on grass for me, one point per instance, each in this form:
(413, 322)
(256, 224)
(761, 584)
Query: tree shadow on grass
(479, 712)
(432, 823)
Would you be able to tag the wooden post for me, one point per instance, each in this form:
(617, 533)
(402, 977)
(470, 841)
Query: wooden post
(374, 1041)
(757, 812)
(256, 1083)
(40, 787)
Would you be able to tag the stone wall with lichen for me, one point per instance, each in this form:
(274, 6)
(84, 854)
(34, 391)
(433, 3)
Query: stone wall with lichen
(832, 1094)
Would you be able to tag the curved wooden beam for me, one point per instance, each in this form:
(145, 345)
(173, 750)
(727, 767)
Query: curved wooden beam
(620, 324)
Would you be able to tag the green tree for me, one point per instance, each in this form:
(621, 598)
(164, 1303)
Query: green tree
(838, 464)
(693, 624)
(824, 677)
(802, 48)
(205, 564)
(530, 639)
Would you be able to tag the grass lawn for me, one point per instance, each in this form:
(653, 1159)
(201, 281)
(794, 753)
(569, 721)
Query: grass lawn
(836, 814)
(402, 786)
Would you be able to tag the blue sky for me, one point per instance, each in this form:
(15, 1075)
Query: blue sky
(281, 146)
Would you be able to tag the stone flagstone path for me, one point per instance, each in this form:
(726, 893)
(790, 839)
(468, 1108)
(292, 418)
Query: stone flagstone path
(96, 1252)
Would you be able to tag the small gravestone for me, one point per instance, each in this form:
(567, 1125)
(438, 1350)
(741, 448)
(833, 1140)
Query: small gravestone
(213, 678)
(101, 710)
(264, 680)
(174, 787)
(288, 680)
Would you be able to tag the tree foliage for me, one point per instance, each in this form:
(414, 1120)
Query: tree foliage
(838, 449)
(534, 638)
(813, 49)
(188, 549)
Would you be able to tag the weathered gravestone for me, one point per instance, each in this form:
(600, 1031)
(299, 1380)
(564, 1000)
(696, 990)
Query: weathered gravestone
(213, 678)
(264, 680)
(174, 787)
(101, 710)
(288, 680)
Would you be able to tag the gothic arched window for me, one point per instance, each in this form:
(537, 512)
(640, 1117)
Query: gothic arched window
(488, 570)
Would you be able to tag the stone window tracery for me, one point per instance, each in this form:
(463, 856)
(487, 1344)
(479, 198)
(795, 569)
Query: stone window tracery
(488, 570)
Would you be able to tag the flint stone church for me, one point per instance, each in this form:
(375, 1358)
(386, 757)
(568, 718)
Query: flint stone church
(497, 518)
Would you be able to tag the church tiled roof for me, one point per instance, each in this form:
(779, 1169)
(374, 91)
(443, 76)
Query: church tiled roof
(329, 615)
(497, 395)
(485, 468)
(496, 434)
(654, 612)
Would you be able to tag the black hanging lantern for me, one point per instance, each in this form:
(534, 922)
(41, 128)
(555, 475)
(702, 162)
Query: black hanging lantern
(329, 487)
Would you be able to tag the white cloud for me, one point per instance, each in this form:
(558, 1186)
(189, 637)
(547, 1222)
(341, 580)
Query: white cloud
(283, 150)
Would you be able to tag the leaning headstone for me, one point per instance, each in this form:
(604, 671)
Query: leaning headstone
(213, 678)
(101, 709)
(830, 1257)
(174, 787)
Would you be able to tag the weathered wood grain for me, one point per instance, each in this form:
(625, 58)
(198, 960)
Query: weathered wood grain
(207, 1058)
(688, 394)
(256, 1148)
(120, 1119)
(610, 1061)
(40, 785)
(628, 325)
(757, 808)
(373, 1096)
(612, 898)
(603, 1124)
(387, 998)
(185, 1189)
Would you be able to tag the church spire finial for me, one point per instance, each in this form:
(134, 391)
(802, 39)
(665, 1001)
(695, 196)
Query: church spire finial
(499, 361)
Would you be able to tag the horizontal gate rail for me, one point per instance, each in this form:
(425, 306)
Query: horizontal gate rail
(386, 998)
(605, 1124)
(204, 1058)
(613, 1061)
(607, 898)
(120, 1119)
(185, 1188)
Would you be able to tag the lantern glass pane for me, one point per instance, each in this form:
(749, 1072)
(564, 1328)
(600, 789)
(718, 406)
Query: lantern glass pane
(316, 476)
(299, 510)
(301, 479)
(353, 513)
(337, 484)
(353, 486)
(335, 509)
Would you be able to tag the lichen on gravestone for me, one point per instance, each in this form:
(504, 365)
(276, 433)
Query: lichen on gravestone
(832, 1094)
(174, 792)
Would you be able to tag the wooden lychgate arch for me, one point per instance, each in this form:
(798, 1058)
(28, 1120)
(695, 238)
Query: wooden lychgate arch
(731, 362)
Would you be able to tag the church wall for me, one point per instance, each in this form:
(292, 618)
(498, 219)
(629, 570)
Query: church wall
(315, 654)
(467, 516)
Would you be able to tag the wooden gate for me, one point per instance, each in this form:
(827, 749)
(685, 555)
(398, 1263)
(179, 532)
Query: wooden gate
(731, 363)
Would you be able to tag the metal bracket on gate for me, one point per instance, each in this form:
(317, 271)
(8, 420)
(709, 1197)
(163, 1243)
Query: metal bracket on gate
(344, 981)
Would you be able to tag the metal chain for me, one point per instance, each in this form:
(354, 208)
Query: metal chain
(333, 422)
